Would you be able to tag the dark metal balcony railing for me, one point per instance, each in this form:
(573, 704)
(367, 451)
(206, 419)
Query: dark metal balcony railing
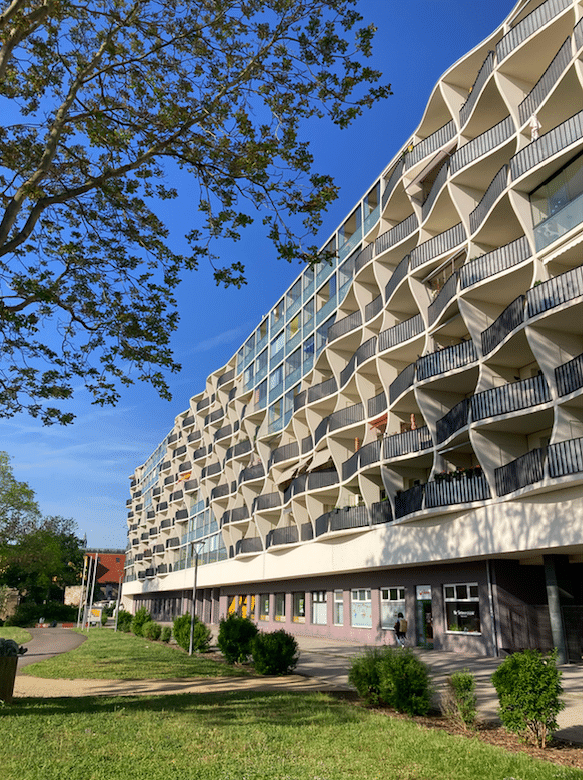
(182, 514)
(239, 513)
(348, 370)
(403, 381)
(347, 518)
(399, 274)
(321, 524)
(298, 485)
(364, 257)
(320, 479)
(381, 512)
(250, 545)
(494, 262)
(191, 484)
(214, 416)
(214, 468)
(456, 490)
(220, 491)
(373, 308)
(291, 450)
(396, 174)
(242, 448)
(306, 532)
(482, 144)
(366, 350)
(578, 35)
(199, 453)
(307, 444)
(444, 296)
(456, 418)
(252, 472)
(194, 436)
(495, 189)
(431, 144)
(203, 403)
(226, 430)
(409, 501)
(546, 82)
(370, 453)
(509, 320)
(267, 501)
(510, 398)
(166, 523)
(345, 325)
(547, 145)
(482, 77)
(347, 416)
(436, 188)
(350, 466)
(565, 457)
(569, 376)
(439, 244)
(226, 377)
(321, 429)
(530, 24)
(401, 332)
(322, 390)
(447, 359)
(409, 441)
(525, 470)
(186, 466)
(397, 233)
(287, 535)
(555, 291)
(377, 405)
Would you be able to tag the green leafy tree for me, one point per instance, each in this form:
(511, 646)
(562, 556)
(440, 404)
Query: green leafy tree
(100, 100)
(19, 511)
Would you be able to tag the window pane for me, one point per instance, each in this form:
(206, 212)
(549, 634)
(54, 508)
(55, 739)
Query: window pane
(463, 616)
(299, 608)
(338, 608)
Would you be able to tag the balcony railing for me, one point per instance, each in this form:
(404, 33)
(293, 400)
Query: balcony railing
(321, 524)
(399, 274)
(239, 513)
(409, 501)
(350, 466)
(322, 390)
(364, 257)
(267, 501)
(546, 82)
(569, 376)
(381, 512)
(298, 485)
(403, 381)
(456, 418)
(525, 470)
(510, 398)
(373, 308)
(370, 453)
(409, 441)
(565, 457)
(396, 234)
(431, 144)
(482, 77)
(377, 405)
(509, 320)
(194, 436)
(345, 325)
(392, 182)
(250, 545)
(288, 451)
(321, 429)
(348, 370)
(555, 291)
(320, 479)
(530, 24)
(436, 188)
(401, 332)
(226, 430)
(252, 472)
(278, 536)
(447, 359)
(482, 144)
(242, 448)
(347, 416)
(444, 296)
(307, 444)
(547, 145)
(347, 518)
(495, 189)
(220, 491)
(226, 377)
(456, 490)
(366, 350)
(494, 262)
(438, 245)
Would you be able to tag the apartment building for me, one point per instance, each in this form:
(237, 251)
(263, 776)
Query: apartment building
(403, 432)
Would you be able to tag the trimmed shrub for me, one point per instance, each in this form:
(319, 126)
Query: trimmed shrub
(404, 681)
(528, 685)
(235, 638)
(364, 674)
(166, 634)
(104, 617)
(201, 635)
(124, 621)
(28, 613)
(151, 630)
(275, 652)
(458, 701)
(141, 617)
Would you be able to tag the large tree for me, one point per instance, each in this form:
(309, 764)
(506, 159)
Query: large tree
(96, 98)
(19, 512)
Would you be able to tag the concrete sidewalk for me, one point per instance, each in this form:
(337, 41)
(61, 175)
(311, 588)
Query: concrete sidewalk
(329, 661)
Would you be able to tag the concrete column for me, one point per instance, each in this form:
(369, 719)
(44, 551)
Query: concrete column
(556, 616)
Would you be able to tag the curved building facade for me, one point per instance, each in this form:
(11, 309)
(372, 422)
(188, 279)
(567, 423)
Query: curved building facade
(403, 432)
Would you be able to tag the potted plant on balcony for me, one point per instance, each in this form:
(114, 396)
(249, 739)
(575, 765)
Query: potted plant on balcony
(9, 652)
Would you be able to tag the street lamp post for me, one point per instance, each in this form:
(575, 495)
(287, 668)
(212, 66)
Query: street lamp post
(194, 551)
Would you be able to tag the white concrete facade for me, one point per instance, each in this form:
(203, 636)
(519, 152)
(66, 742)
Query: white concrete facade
(405, 427)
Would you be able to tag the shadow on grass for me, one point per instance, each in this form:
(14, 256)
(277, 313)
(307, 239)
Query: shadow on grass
(213, 709)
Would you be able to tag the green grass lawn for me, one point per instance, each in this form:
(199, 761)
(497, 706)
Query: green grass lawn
(19, 635)
(240, 736)
(106, 655)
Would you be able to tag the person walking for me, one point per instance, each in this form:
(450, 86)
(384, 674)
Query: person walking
(400, 629)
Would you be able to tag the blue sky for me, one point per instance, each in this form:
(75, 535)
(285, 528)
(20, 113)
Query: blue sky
(82, 470)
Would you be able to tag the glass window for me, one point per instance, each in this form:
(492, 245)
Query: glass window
(294, 293)
(299, 608)
(308, 311)
(392, 602)
(308, 276)
(280, 606)
(293, 326)
(361, 608)
(261, 360)
(293, 362)
(319, 615)
(264, 606)
(462, 608)
(338, 608)
(276, 377)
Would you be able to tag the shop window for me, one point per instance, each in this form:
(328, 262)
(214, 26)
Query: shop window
(338, 608)
(392, 602)
(361, 608)
(264, 606)
(280, 606)
(319, 615)
(299, 608)
(462, 608)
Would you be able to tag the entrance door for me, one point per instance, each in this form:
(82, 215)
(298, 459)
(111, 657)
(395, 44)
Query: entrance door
(424, 616)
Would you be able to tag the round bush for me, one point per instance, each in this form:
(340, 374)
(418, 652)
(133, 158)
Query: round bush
(201, 635)
(166, 634)
(235, 638)
(141, 617)
(404, 682)
(275, 652)
(364, 674)
(124, 621)
(152, 630)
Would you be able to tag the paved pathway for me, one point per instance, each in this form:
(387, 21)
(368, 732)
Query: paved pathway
(323, 665)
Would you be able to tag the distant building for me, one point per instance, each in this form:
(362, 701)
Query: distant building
(403, 432)
(110, 570)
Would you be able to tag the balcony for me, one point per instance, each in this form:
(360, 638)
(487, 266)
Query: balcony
(447, 359)
(267, 501)
(347, 518)
(569, 376)
(370, 453)
(380, 513)
(523, 471)
(280, 536)
(476, 88)
(396, 234)
(403, 382)
(396, 174)
(555, 292)
(251, 473)
(167, 523)
(409, 501)
(546, 82)
(251, 545)
(436, 188)
(373, 308)
(444, 296)
(530, 24)
(226, 377)
(494, 191)
(482, 144)
(222, 433)
(345, 325)
(456, 418)
(438, 245)
(220, 491)
(457, 489)
(407, 442)
(343, 417)
(494, 262)
(214, 416)
(509, 320)
(363, 258)
(287, 452)
(432, 143)
(324, 389)
(378, 404)
(547, 145)
(399, 274)
(510, 398)
(238, 514)
(565, 457)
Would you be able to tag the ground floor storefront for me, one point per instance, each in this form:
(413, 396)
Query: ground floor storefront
(480, 608)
